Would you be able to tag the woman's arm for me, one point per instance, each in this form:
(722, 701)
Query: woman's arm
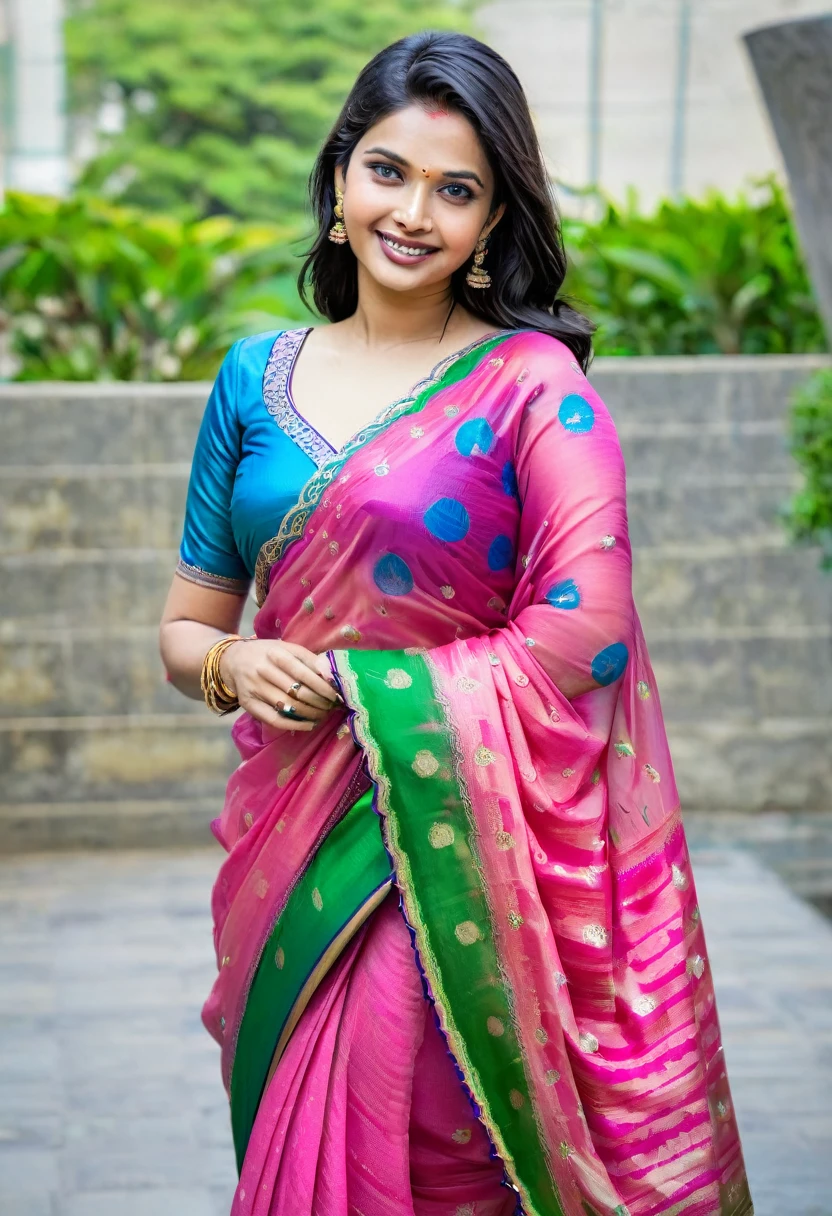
(260, 672)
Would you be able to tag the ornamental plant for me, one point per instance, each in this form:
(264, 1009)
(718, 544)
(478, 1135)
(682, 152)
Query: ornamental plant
(95, 292)
(810, 514)
(697, 276)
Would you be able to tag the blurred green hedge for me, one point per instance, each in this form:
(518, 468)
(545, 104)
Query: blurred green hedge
(94, 291)
(810, 515)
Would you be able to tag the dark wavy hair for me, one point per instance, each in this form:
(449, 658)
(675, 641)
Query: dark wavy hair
(526, 259)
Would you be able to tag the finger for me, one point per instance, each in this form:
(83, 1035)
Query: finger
(300, 672)
(271, 682)
(284, 701)
(264, 712)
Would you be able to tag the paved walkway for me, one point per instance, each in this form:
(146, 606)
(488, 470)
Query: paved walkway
(110, 1098)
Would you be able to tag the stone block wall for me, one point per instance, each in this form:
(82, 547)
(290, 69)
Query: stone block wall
(96, 748)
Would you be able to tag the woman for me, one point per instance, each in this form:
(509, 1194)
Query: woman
(461, 965)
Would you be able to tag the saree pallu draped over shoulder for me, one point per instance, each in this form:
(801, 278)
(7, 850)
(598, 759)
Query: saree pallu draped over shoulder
(466, 561)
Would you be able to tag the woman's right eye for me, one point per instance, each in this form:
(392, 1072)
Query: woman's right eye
(385, 171)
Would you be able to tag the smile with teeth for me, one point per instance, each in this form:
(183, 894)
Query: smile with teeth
(411, 251)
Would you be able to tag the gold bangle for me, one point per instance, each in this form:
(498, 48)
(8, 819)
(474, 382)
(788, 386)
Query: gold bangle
(218, 696)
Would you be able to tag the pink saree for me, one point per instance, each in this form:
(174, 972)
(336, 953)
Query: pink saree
(461, 963)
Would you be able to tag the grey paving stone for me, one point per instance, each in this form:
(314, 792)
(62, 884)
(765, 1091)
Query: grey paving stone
(110, 1096)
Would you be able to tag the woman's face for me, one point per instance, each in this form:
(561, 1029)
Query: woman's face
(417, 197)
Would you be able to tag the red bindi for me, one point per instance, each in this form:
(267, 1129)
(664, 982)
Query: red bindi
(437, 113)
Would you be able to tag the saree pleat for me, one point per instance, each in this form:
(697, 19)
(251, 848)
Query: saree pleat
(466, 562)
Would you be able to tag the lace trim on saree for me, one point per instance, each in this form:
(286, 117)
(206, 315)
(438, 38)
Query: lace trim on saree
(217, 582)
(279, 402)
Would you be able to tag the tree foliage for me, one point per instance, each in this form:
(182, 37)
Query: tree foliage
(226, 101)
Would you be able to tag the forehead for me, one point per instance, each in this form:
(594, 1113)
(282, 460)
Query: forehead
(429, 137)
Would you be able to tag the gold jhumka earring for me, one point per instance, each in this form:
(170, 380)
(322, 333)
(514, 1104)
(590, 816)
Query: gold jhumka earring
(338, 231)
(476, 276)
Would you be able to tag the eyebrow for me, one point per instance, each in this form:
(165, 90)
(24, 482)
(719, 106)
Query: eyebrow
(461, 174)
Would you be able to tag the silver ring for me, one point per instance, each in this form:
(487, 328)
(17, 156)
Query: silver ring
(289, 711)
(295, 688)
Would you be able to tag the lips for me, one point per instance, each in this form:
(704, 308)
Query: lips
(404, 252)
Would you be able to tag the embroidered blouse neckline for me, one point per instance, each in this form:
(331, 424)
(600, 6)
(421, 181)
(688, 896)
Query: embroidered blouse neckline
(277, 391)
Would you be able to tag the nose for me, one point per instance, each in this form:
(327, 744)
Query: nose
(413, 212)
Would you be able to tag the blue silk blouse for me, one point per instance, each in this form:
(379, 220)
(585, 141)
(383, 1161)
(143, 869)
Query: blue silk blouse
(253, 455)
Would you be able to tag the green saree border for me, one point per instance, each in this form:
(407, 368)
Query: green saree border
(410, 745)
(344, 883)
(450, 370)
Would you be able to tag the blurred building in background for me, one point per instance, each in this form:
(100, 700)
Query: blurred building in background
(32, 106)
(653, 94)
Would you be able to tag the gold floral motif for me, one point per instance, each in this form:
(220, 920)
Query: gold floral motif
(248, 819)
(695, 965)
(722, 1109)
(381, 470)
(451, 411)
(462, 1135)
(416, 432)
(279, 958)
(504, 841)
(644, 1005)
(483, 757)
(308, 604)
(329, 612)
(516, 1099)
(283, 776)
(552, 1076)
(466, 1209)
(317, 899)
(497, 362)
(588, 1042)
(467, 933)
(493, 659)
(424, 763)
(652, 773)
(448, 591)
(608, 542)
(541, 1036)
(280, 825)
(565, 1150)
(521, 680)
(412, 651)
(643, 689)
(466, 684)
(594, 935)
(625, 749)
(334, 547)
(568, 772)
(496, 604)
(261, 887)
(596, 776)
(678, 878)
(530, 642)
(495, 1027)
(350, 633)
(397, 677)
(515, 920)
(525, 559)
(441, 835)
(305, 582)
(559, 978)
(342, 731)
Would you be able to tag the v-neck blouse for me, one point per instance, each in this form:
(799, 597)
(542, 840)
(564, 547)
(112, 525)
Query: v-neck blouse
(254, 453)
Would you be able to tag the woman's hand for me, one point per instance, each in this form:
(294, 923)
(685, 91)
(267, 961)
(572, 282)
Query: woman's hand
(268, 677)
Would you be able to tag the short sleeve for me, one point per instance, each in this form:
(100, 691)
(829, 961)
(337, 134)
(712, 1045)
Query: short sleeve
(208, 554)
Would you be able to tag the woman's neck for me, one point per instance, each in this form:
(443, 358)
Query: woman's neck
(387, 319)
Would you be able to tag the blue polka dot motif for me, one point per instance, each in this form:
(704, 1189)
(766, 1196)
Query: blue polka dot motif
(510, 486)
(610, 663)
(576, 414)
(564, 595)
(392, 575)
(501, 553)
(475, 435)
(447, 519)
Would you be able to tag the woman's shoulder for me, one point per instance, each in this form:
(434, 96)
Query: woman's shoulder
(259, 346)
(544, 351)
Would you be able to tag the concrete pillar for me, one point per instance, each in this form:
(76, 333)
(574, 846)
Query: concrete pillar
(37, 159)
(793, 62)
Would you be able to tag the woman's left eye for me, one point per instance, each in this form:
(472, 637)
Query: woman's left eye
(457, 191)
(385, 171)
